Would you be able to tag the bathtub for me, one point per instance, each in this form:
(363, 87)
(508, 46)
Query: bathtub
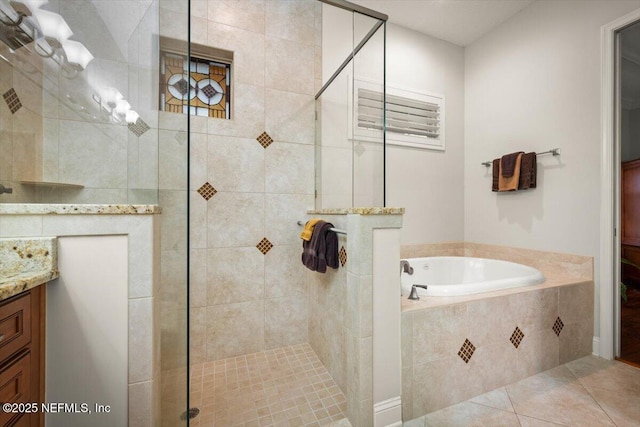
(452, 276)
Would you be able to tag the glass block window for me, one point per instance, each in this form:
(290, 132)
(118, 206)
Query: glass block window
(199, 86)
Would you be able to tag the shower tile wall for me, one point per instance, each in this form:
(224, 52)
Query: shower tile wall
(248, 292)
(20, 132)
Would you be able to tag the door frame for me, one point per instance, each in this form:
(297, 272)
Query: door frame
(608, 344)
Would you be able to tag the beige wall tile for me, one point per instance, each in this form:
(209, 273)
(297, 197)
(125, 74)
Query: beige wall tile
(492, 320)
(289, 66)
(140, 339)
(576, 341)
(198, 335)
(245, 14)
(575, 302)
(538, 351)
(234, 275)
(247, 114)
(235, 219)
(289, 168)
(282, 212)
(291, 20)
(407, 393)
(199, 160)
(289, 116)
(284, 274)
(235, 329)
(198, 278)
(140, 404)
(248, 51)
(439, 333)
(198, 220)
(235, 164)
(285, 321)
(173, 229)
(172, 146)
(441, 383)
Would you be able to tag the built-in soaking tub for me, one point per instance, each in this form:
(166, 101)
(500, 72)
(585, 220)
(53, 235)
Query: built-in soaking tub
(453, 276)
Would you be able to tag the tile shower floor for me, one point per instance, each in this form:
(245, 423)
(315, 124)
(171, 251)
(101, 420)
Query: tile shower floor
(283, 387)
(586, 392)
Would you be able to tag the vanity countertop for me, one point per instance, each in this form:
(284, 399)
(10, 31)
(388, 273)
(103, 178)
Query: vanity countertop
(26, 263)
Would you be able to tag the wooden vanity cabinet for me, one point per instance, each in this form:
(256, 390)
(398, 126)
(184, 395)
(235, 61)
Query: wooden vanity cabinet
(22, 355)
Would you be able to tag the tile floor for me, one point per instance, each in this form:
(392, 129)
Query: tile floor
(283, 387)
(586, 392)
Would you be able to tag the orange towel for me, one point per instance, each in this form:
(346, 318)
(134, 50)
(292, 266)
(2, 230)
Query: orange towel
(308, 229)
(510, 183)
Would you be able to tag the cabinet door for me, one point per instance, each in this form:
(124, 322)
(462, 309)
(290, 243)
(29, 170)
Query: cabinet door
(15, 384)
(15, 325)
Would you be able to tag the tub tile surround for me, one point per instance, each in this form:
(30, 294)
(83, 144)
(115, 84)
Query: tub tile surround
(434, 329)
(142, 226)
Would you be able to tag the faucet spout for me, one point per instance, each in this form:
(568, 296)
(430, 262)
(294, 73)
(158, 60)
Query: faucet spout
(4, 189)
(405, 267)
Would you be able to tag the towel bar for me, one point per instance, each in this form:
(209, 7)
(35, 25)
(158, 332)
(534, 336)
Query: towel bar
(335, 230)
(553, 151)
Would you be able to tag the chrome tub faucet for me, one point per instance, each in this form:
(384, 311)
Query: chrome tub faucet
(405, 267)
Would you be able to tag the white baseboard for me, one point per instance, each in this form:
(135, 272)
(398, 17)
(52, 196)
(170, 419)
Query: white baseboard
(388, 413)
(596, 346)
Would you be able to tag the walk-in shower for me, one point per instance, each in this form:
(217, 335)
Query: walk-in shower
(288, 112)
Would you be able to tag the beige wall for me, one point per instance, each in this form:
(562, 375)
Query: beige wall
(533, 84)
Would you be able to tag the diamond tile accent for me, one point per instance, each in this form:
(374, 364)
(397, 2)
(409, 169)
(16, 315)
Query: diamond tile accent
(557, 326)
(264, 246)
(466, 351)
(516, 337)
(139, 127)
(209, 91)
(342, 256)
(12, 100)
(264, 139)
(182, 86)
(207, 191)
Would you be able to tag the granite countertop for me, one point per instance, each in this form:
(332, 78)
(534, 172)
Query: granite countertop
(26, 263)
(76, 209)
(357, 211)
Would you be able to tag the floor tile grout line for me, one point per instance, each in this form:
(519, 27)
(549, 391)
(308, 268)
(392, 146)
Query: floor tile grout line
(598, 403)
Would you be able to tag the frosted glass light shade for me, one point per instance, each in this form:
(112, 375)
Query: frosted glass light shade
(52, 25)
(132, 116)
(122, 107)
(31, 4)
(76, 53)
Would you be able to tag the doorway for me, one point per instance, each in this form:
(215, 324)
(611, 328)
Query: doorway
(628, 135)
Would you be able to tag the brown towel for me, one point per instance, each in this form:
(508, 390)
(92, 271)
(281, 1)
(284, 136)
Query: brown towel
(496, 175)
(508, 164)
(322, 250)
(511, 183)
(528, 169)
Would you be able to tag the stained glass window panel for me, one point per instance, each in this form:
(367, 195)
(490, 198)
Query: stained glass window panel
(200, 87)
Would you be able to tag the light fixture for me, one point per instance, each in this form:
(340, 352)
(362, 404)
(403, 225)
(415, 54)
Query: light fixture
(77, 54)
(53, 26)
(132, 116)
(31, 5)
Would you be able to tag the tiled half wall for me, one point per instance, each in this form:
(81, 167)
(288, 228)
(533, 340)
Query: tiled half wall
(454, 352)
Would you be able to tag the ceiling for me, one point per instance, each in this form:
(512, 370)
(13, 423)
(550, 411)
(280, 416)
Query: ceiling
(457, 21)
